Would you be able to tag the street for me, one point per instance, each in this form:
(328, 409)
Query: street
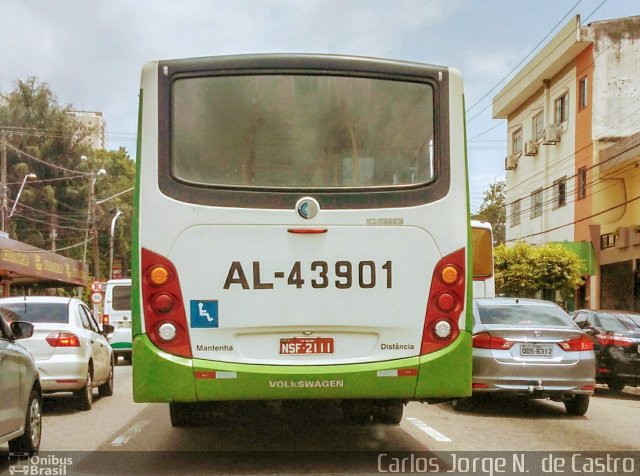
(121, 437)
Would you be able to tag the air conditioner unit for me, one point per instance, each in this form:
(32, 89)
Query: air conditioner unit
(530, 148)
(552, 134)
(510, 162)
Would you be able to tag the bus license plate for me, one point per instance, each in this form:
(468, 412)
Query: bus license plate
(306, 345)
(536, 350)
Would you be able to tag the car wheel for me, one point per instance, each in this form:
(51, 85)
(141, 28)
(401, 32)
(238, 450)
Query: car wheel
(84, 396)
(29, 442)
(615, 384)
(578, 405)
(106, 389)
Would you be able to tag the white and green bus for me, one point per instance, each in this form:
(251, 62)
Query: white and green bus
(301, 232)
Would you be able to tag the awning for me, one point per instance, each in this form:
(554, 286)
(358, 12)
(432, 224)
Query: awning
(24, 264)
(584, 250)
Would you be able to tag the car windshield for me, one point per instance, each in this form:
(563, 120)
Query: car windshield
(523, 315)
(617, 322)
(39, 312)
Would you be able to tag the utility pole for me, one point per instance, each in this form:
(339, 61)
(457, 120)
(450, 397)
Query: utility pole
(4, 206)
(94, 231)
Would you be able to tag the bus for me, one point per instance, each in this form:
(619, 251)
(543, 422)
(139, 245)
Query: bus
(484, 284)
(301, 232)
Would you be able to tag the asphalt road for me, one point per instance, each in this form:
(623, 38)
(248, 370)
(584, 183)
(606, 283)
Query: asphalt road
(119, 436)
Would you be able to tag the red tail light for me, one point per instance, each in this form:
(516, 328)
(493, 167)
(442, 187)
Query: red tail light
(577, 344)
(484, 340)
(105, 319)
(63, 339)
(479, 385)
(164, 315)
(446, 302)
(614, 340)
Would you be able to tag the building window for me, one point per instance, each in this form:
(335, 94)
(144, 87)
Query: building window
(560, 192)
(607, 241)
(582, 183)
(582, 94)
(536, 203)
(515, 213)
(516, 142)
(562, 108)
(538, 126)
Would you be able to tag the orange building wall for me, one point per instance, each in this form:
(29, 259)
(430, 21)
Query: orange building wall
(584, 146)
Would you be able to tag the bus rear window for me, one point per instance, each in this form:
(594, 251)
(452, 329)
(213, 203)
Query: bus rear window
(301, 131)
(121, 298)
(482, 248)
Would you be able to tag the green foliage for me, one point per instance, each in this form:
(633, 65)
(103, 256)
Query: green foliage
(493, 210)
(53, 208)
(523, 270)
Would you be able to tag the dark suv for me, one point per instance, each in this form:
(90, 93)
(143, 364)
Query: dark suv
(617, 341)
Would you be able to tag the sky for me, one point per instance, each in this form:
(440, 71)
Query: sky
(91, 52)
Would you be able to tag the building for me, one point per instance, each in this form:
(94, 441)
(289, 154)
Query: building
(573, 163)
(96, 126)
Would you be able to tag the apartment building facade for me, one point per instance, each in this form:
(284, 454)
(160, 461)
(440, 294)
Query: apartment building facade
(573, 142)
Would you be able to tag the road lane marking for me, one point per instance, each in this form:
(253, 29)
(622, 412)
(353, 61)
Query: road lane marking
(127, 435)
(432, 432)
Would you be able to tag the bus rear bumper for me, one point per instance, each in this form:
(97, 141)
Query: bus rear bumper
(162, 377)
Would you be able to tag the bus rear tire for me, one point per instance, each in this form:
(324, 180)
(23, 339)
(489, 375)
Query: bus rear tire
(389, 412)
(182, 414)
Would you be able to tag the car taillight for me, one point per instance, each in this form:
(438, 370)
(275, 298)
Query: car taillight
(484, 340)
(105, 319)
(446, 302)
(614, 340)
(164, 315)
(577, 344)
(63, 339)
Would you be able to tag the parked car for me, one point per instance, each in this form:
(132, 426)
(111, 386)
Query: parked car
(70, 350)
(117, 312)
(617, 341)
(20, 392)
(531, 347)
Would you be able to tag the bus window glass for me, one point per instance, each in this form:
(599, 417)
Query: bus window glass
(301, 131)
(121, 298)
(482, 252)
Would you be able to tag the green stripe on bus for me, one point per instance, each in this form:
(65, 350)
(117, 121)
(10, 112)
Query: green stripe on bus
(121, 345)
(135, 252)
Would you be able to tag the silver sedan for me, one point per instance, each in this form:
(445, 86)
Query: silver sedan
(531, 347)
(69, 347)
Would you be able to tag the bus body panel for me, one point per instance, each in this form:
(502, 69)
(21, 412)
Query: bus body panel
(371, 311)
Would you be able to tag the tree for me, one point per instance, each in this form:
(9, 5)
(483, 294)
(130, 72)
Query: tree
(493, 210)
(44, 139)
(525, 270)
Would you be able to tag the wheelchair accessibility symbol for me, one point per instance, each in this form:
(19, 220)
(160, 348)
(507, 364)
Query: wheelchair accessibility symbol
(204, 314)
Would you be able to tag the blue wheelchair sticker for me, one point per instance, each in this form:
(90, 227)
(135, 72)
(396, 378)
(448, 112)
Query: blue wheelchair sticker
(204, 314)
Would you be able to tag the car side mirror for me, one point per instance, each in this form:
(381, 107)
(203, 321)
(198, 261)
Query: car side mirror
(107, 329)
(21, 330)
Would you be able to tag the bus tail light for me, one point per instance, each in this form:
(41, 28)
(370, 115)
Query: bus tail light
(164, 315)
(105, 319)
(446, 302)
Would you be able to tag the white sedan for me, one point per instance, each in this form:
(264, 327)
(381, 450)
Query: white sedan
(70, 349)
